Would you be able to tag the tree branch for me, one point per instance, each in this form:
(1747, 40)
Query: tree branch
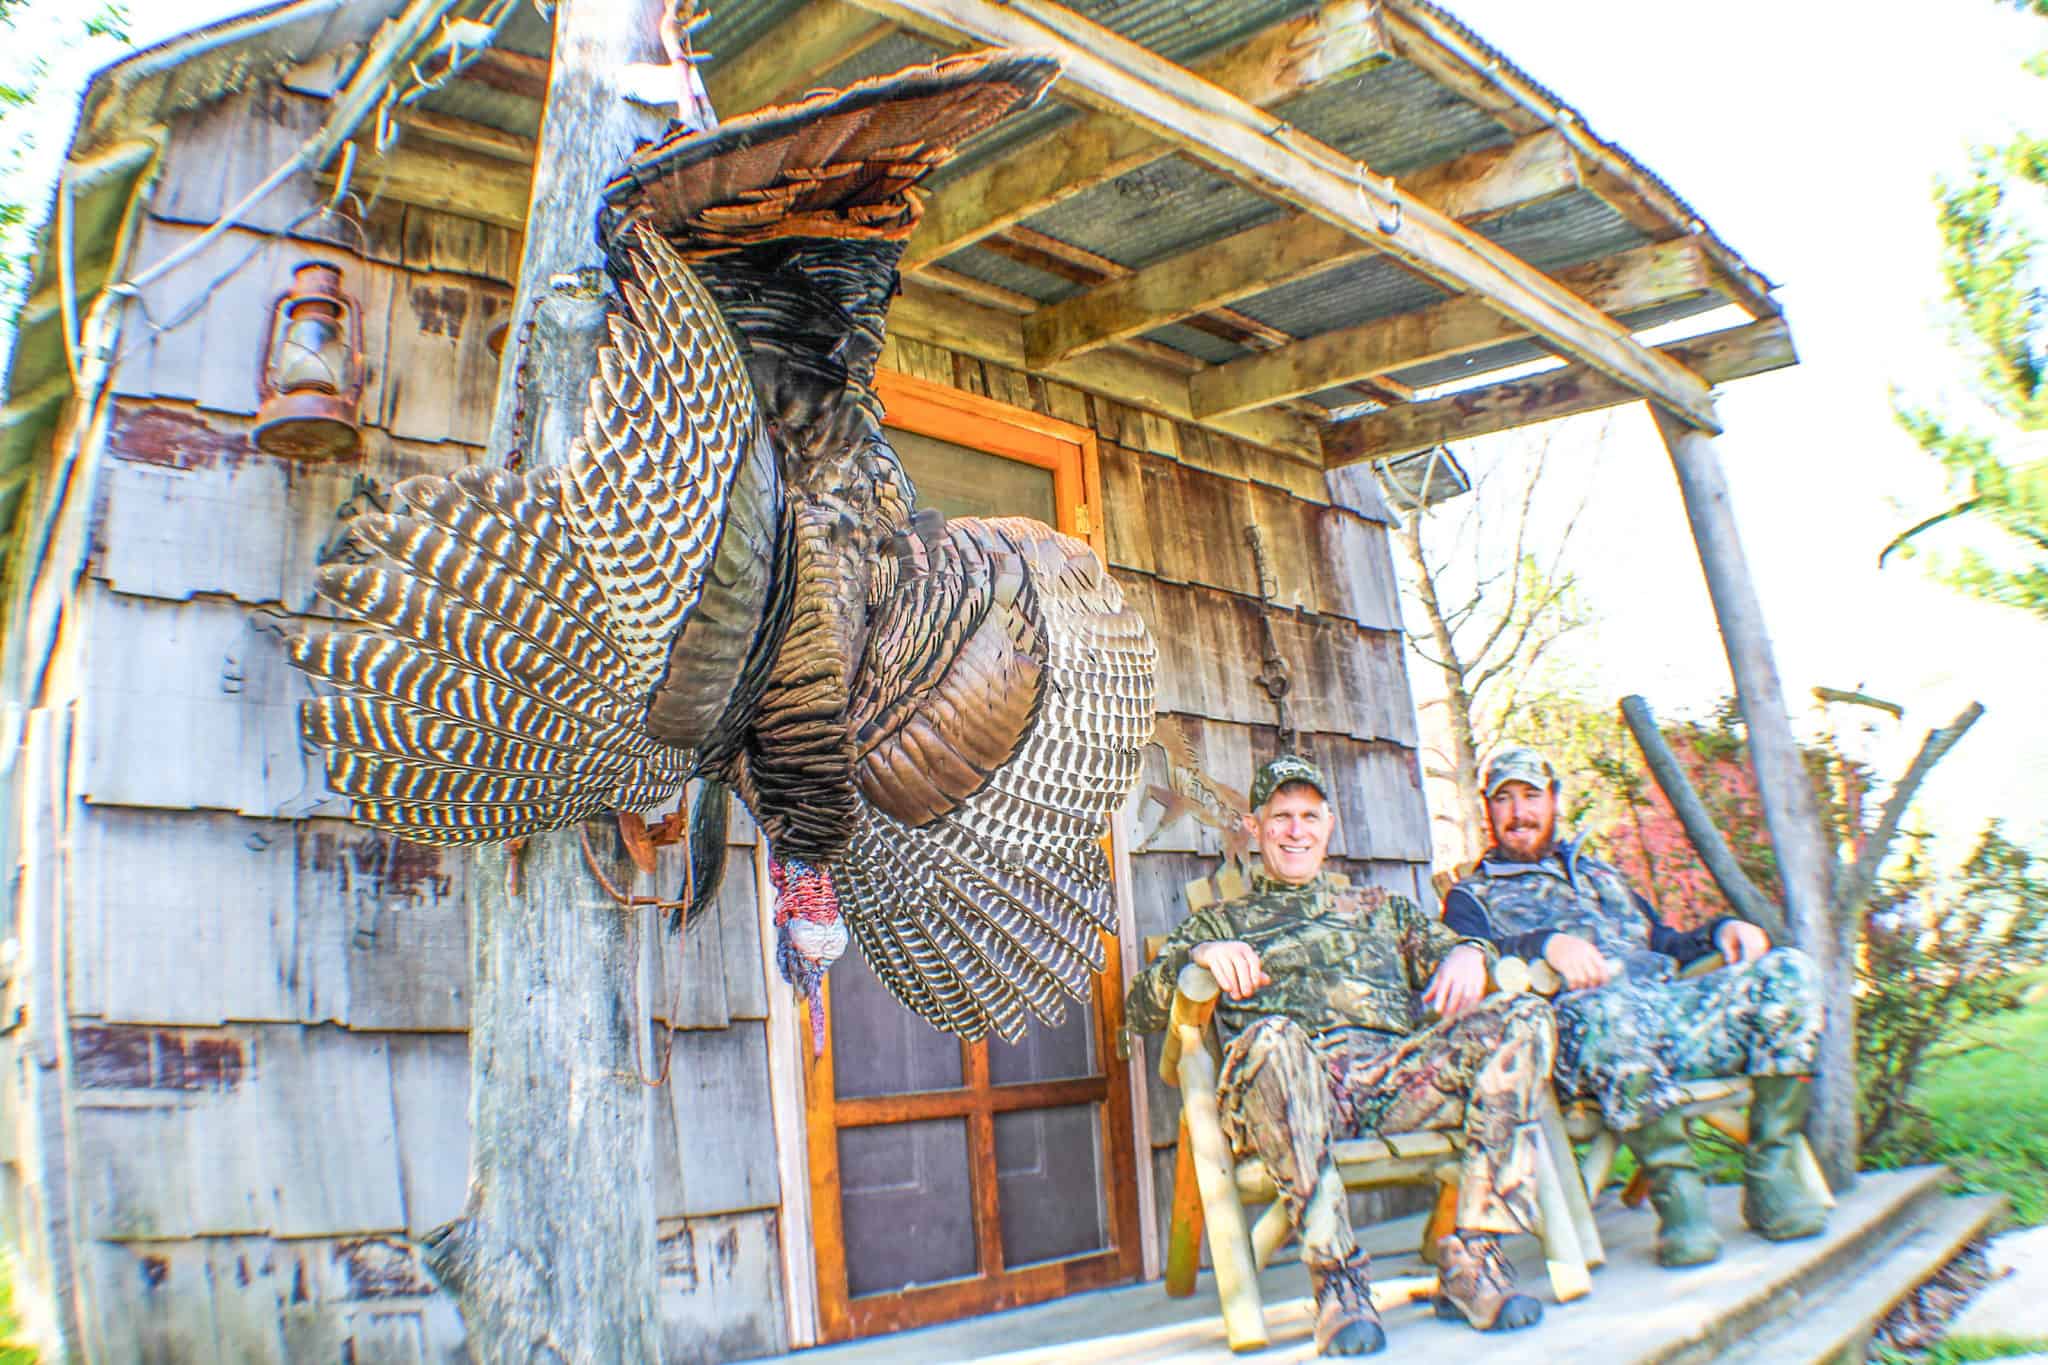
(1741, 892)
(1853, 884)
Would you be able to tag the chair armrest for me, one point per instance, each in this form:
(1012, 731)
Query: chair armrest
(1194, 1001)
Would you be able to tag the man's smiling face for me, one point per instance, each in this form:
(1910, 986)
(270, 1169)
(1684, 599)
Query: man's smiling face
(1294, 833)
(1523, 818)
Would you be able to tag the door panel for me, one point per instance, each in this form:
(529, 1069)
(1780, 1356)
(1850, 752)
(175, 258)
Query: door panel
(949, 1179)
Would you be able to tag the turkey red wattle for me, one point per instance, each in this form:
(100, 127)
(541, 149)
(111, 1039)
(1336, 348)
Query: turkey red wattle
(809, 934)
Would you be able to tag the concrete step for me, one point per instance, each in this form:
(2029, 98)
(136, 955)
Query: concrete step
(1835, 1321)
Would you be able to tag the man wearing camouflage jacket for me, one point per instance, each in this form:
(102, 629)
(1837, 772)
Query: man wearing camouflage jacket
(1629, 1027)
(1325, 1040)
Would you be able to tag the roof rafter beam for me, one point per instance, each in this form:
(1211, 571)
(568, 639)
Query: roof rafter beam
(1425, 39)
(939, 318)
(1718, 357)
(1111, 73)
(1662, 272)
(1471, 188)
(790, 58)
(1273, 65)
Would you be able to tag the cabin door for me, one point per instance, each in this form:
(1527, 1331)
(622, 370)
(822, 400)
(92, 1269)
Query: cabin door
(951, 1179)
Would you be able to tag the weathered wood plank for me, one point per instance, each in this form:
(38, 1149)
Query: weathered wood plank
(443, 377)
(443, 176)
(253, 1129)
(193, 508)
(382, 927)
(1719, 357)
(1470, 188)
(190, 704)
(718, 1088)
(159, 893)
(430, 1111)
(1110, 72)
(1660, 273)
(721, 1294)
(1274, 64)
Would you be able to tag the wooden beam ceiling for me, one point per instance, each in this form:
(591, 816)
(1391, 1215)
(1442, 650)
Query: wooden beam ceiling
(1114, 75)
(1273, 65)
(1423, 38)
(927, 314)
(790, 58)
(1470, 188)
(1663, 272)
(452, 165)
(1717, 357)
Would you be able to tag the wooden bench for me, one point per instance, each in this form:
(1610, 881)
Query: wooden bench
(1212, 1190)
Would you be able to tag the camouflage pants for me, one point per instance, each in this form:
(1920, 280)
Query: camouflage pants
(1628, 1044)
(1286, 1096)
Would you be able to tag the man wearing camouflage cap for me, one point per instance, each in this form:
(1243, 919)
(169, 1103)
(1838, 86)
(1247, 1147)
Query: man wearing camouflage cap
(1325, 1040)
(1629, 1028)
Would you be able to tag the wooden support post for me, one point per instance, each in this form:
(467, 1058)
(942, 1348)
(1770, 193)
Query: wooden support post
(553, 1256)
(1804, 859)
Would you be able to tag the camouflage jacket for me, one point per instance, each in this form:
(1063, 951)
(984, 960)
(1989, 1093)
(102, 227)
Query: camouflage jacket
(1339, 957)
(1518, 906)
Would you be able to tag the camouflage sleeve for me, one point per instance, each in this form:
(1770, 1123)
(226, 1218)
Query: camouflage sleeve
(1151, 998)
(1426, 942)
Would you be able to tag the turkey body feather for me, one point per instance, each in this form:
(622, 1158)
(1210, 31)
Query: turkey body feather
(931, 720)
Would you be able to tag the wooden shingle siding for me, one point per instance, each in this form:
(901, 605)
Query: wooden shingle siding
(720, 1290)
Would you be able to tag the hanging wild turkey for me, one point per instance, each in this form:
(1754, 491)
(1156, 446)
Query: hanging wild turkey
(930, 719)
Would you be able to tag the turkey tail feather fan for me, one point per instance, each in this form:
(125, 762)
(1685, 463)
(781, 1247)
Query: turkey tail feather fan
(728, 580)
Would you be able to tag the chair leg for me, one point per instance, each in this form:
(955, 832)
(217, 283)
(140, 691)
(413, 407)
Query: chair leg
(1270, 1233)
(1230, 1247)
(1600, 1154)
(1184, 1233)
(1442, 1221)
(1581, 1208)
(1562, 1255)
(1810, 1173)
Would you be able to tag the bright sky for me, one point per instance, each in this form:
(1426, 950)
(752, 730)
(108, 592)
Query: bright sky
(1809, 136)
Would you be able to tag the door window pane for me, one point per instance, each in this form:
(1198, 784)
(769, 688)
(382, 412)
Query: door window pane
(878, 1046)
(1049, 1183)
(907, 1205)
(971, 483)
(1047, 1052)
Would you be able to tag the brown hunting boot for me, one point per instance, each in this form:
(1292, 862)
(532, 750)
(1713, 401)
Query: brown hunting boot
(1477, 1283)
(1346, 1322)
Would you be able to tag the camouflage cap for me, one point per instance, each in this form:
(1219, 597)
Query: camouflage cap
(1287, 768)
(1519, 765)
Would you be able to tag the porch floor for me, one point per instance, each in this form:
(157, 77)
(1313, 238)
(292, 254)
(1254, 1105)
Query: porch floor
(1637, 1312)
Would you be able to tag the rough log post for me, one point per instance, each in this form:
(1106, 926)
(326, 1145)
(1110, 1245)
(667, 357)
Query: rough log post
(553, 1258)
(1742, 893)
(1805, 863)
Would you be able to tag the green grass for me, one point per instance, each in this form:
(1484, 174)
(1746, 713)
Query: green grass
(11, 1351)
(1986, 1102)
(1957, 1350)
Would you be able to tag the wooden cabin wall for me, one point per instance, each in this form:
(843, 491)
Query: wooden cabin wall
(262, 1055)
(1176, 504)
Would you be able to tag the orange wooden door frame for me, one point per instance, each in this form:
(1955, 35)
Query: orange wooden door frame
(1069, 452)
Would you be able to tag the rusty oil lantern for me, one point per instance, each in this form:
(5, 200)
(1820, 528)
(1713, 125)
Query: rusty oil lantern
(312, 375)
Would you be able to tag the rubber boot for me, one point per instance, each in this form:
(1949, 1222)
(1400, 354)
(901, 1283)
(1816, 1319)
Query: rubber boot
(1477, 1284)
(1775, 1200)
(1685, 1233)
(1346, 1322)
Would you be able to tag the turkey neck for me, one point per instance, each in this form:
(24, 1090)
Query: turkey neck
(809, 315)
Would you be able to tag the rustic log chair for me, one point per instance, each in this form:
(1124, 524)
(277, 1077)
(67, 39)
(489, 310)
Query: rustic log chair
(1721, 1103)
(1211, 1189)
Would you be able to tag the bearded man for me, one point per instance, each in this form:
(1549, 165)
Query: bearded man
(1325, 1040)
(1630, 1028)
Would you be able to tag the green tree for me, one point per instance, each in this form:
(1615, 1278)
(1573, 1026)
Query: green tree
(1992, 260)
(37, 34)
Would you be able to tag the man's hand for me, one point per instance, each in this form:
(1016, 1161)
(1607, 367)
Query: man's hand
(1741, 941)
(1577, 961)
(1459, 982)
(1234, 964)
